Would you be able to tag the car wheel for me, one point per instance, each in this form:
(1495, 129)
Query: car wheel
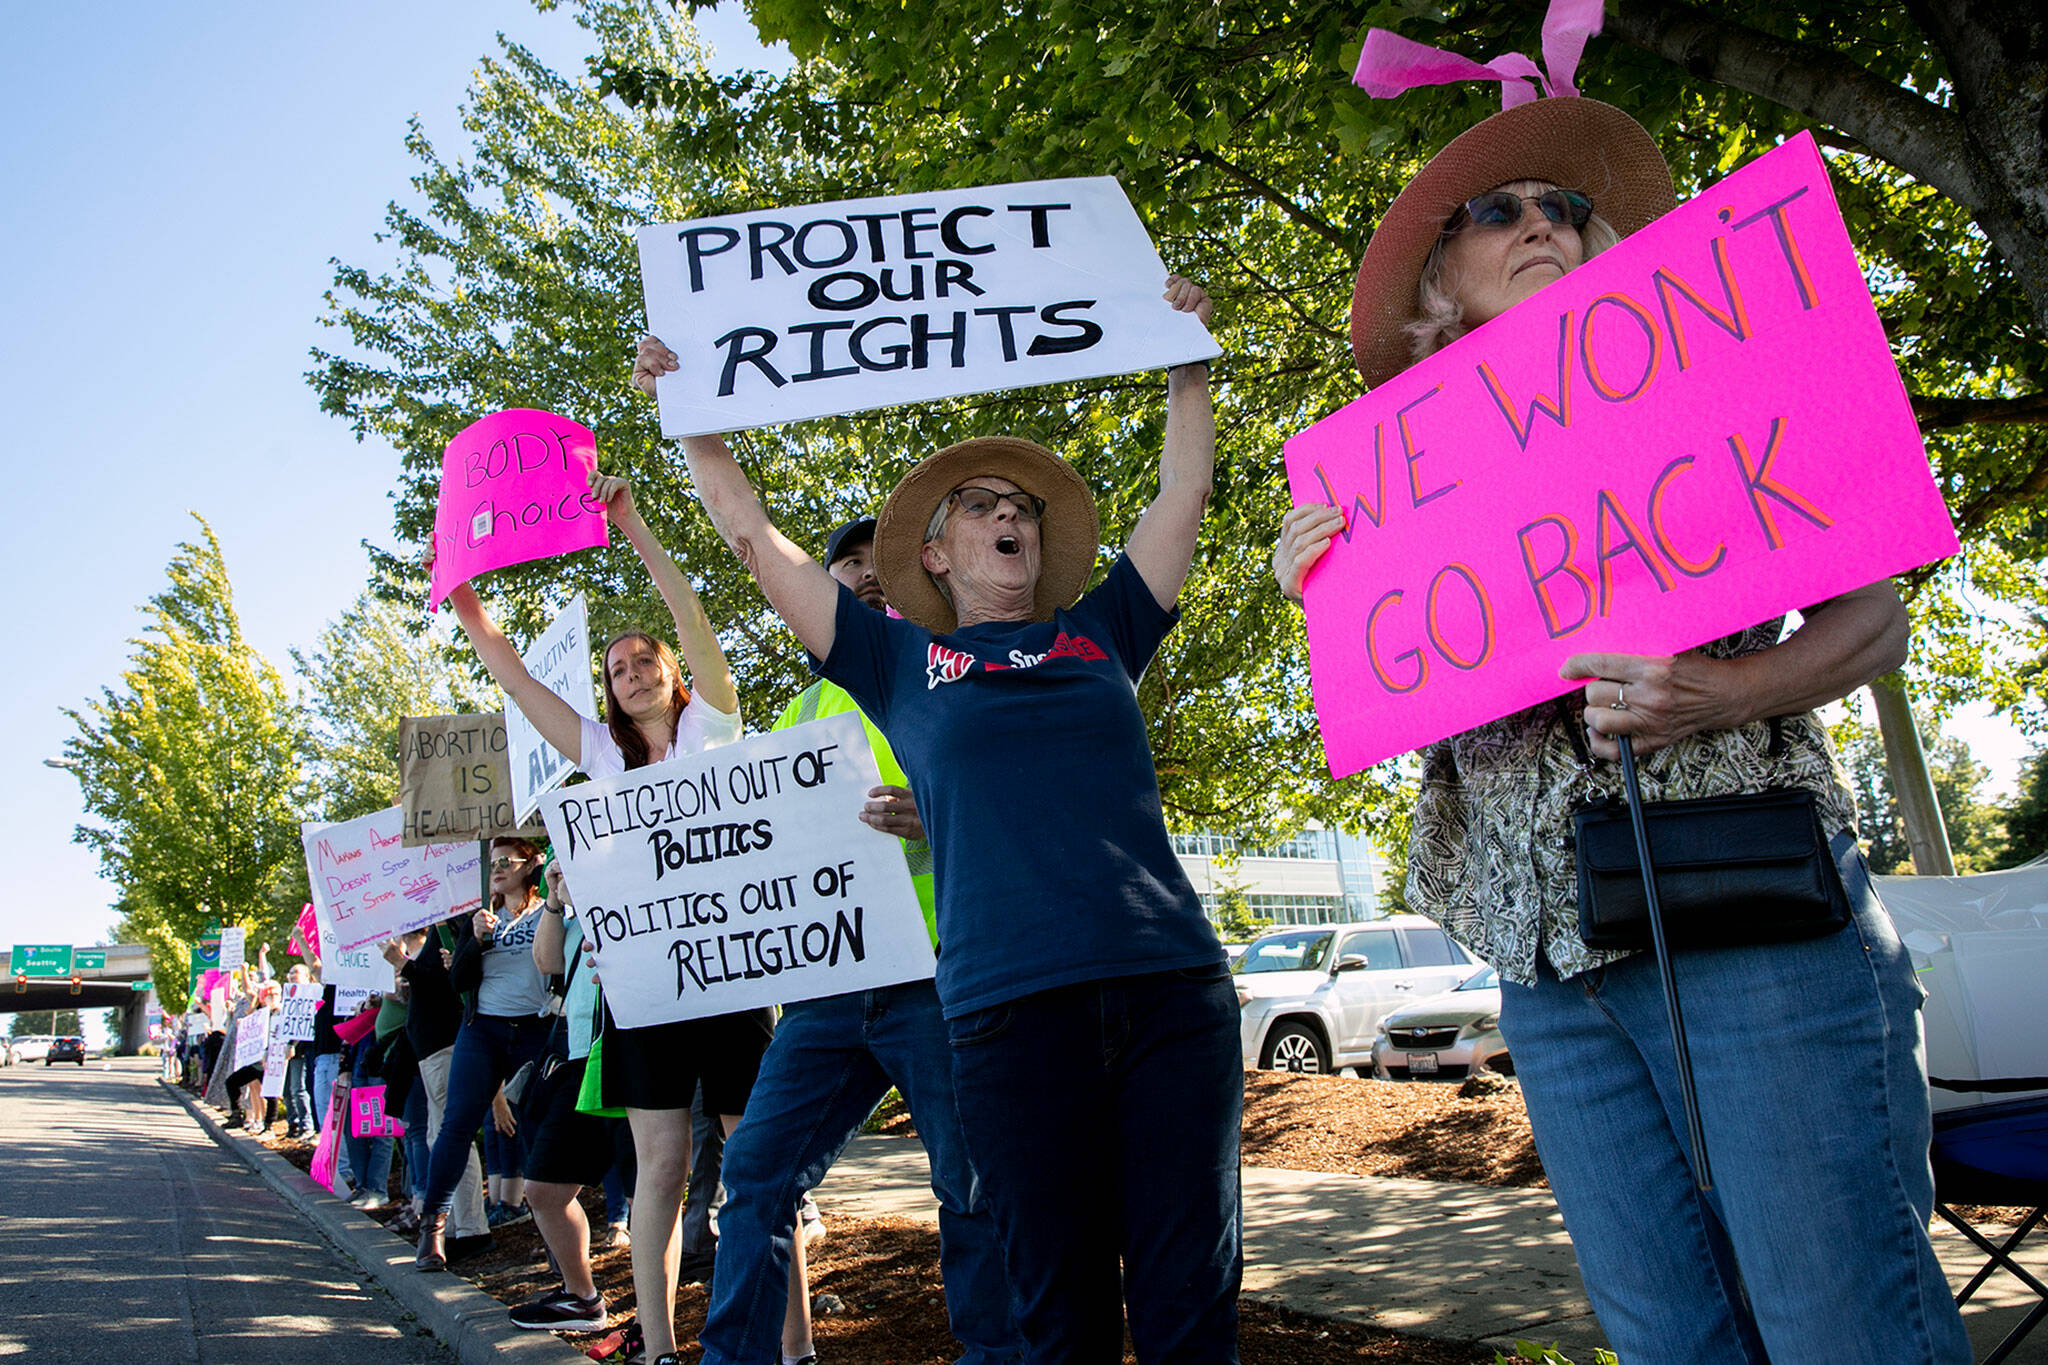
(1295, 1047)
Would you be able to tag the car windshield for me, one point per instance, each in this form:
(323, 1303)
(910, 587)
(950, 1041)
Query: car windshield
(1303, 950)
(1481, 981)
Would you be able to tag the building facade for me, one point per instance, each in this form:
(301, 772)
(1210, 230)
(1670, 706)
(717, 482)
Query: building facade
(1320, 876)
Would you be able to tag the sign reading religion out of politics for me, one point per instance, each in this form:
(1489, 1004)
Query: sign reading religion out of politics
(740, 876)
(1693, 432)
(515, 486)
(559, 661)
(454, 780)
(369, 886)
(822, 309)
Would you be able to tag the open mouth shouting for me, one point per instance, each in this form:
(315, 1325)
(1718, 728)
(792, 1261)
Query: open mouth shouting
(1007, 545)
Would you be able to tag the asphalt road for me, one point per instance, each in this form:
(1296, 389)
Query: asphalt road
(126, 1234)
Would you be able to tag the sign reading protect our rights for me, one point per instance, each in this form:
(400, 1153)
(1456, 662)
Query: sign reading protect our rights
(1697, 430)
(739, 877)
(823, 309)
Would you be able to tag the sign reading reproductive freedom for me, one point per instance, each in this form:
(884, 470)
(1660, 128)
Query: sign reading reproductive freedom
(740, 876)
(1693, 432)
(454, 780)
(811, 311)
(515, 486)
(560, 662)
(368, 886)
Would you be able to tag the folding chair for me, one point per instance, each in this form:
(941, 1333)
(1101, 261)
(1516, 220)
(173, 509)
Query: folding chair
(1995, 1154)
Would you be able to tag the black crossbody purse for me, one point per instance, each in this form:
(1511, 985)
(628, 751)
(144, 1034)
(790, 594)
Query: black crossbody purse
(531, 1090)
(1731, 870)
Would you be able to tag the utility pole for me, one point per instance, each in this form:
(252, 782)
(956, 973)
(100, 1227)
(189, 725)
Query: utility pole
(1906, 763)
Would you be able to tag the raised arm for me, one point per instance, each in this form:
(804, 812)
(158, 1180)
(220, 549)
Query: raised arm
(556, 720)
(796, 585)
(1163, 544)
(710, 675)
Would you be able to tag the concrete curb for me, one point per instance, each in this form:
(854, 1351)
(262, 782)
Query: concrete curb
(469, 1321)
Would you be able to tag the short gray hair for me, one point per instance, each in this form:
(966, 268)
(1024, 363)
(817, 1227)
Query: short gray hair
(1440, 318)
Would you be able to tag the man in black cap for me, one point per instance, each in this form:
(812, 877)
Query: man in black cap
(831, 1062)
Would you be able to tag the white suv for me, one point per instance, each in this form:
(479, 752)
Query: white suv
(1312, 997)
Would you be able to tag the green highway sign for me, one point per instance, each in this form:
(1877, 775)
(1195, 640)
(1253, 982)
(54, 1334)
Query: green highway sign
(88, 959)
(42, 959)
(142, 985)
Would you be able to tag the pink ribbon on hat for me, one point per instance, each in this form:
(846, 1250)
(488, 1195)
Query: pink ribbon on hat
(1390, 64)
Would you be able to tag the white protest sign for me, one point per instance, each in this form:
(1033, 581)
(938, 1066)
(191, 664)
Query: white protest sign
(301, 1003)
(276, 1057)
(560, 662)
(252, 1036)
(231, 948)
(815, 310)
(372, 887)
(740, 877)
(196, 1025)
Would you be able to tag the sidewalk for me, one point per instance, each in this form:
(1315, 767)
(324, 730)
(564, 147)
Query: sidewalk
(1466, 1262)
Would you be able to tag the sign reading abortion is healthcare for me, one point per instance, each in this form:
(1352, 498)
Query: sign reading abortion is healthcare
(515, 486)
(1695, 431)
(833, 308)
(454, 779)
(740, 877)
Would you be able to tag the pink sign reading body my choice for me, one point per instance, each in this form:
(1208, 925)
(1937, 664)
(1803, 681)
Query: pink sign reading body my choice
(514, 487)
(1695, 431)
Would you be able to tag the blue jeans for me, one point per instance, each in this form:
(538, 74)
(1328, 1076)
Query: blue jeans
(415, 1140)
(1812, 1085)
(1104, 1120)
(369, 1161)
(298, 1101)
(831, 1062)
(487, 1051)
(325, 1068)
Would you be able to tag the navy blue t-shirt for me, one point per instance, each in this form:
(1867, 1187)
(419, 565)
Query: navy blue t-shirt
(1026, 750)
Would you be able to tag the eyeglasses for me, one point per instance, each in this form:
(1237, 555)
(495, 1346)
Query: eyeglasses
(1503, 208)
(500, 863)
(979, 502)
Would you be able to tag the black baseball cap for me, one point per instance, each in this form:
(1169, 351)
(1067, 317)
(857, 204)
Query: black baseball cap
(857, 531)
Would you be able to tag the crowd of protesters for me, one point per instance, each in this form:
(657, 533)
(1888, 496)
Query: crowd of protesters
(1077, 1085)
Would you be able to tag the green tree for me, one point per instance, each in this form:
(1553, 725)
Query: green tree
(1235, 922)
(191, 770)
(28, 1023)
(1976, 828)
(373, 665)
(2026, 819)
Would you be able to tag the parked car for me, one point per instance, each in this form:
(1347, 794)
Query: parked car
(1452, 1035)
(32, 1047)
(1311, 998)
(65, 1050)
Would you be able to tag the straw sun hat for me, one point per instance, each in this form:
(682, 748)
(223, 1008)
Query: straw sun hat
(1067, 535)
(1572, 142)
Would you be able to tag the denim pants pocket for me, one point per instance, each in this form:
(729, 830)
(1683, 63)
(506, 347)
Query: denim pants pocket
(980, 1026)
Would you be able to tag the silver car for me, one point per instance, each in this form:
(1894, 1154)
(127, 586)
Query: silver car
(1450, 1035)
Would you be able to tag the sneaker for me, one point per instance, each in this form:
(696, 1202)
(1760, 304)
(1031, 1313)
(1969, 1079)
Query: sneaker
(373, 1203)
(561, 1311)
(814, 1232)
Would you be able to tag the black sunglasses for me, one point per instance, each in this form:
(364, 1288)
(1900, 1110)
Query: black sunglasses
(1503, 208)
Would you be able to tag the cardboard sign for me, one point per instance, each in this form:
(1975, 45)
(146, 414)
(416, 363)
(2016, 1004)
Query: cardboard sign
(252, 1037)
(366, 1113)
(560, 662)
(276, 1058)
(454, 781)
(820, 309)
(739, 877)
(515, 486)
(301, 1004)
(368, 886)
(1695, 431)
(231, 948)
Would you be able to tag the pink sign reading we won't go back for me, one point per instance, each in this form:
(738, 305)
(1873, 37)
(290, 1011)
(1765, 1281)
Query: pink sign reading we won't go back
(515, 486)
(1693, 432)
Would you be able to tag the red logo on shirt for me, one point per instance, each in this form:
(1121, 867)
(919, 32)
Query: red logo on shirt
(944, 665)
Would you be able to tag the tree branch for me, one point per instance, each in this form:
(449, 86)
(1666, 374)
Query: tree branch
(1933, 412)
(1917, 136)
(1327, 231)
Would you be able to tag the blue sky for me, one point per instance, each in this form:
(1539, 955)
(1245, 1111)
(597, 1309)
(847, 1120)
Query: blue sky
(179, 178)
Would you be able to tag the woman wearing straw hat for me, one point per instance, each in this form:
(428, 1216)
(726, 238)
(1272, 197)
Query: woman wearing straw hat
(1813, 1243)
(1093, 1025)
